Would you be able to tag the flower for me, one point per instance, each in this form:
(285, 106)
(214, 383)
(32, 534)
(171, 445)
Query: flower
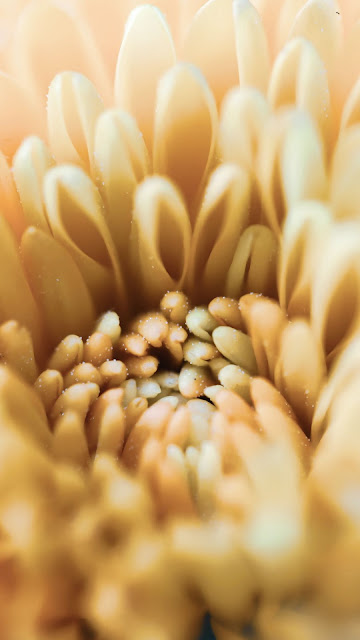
(179, 307)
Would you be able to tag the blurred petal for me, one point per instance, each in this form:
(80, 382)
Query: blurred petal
(222, 217)
(161, 239)
(73, 108)
(185, 129)
(57, 284)
(146, 53)
(345, 175)
(251, 46)
(17, 350)
(10, 204)
(74, 210)
(213, 23)
(18, 116)
(30, 163)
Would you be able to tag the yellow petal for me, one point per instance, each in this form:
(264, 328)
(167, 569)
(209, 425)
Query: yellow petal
(30, 163)
(251, 46)
(120, 163)
(16, 298)
(185, 129)
(300, 370)
(243, 115)
(304, 229)
(48, 40)
(345, 185)
(73, 108)
(10, 204)
(299, 78)
(74, 211)
(213, 23)
(160, 239)
(17, 350)
(254, 264)
(351, 110)
(222, 217)
(146, 53)
(57, 284)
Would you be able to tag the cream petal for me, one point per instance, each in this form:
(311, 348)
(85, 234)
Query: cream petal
(10, 204)
(305, 227)
(160, 239)
(73, 108)
(185, 129)
(302, 162)
(58, 285)
(335, 304)
(299, 78)
(214, 24)
(121, 162)
(345, 174)
(251, 46)
(16, 299)
(48, 40)
(221, 219)
(300, 370)
(30, 163)
(74, 211)
(254, 263)
(146, 53)
(348, 61)
(18, 116)
(243, 117)
(351, 109)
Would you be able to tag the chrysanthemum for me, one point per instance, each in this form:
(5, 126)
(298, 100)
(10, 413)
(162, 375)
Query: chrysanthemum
(179, 308)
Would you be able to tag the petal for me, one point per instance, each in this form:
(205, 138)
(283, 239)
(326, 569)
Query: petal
(300, 370)
(222, 217)
(351, 109)
(335, 292)
(120, 163)
(47, 40)
(146, 53)
(213, 24)
(9, 198)
(305, 227)
(254, 263)
(30, 163)
(185, 129)
(73, 108)
(18, 116)
(58, 285)
(74, 211)
(17, 350)
(16, 299)
(345, 174)
(251, 46)
(160, 239)
(299, 78)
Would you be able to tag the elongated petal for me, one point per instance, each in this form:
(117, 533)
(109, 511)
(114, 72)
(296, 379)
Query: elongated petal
(251, 46)
(30, 163)
(48, 40)
(16, 299)
(146, 53)
(57, 284)
(17, 350)
(213, 23)
(160, 239)
(345, 173)
(73, 108)
(120, 163)
(299, 78)
(74, 210)
(304, 229)
(18, 115)
(10, 204)
(185, 129)
(219, 223)
(254, 264)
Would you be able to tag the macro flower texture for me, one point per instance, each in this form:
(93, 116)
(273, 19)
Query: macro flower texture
(179, 319)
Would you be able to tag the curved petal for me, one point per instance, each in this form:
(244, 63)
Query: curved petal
(73, 108)
(74, 211)
(251, 46)
(345, 175)
(58, 286)
(185, 129)
(221, 219)
(30, 163)
(214, 24)
(146, 53)
(160, 240)
(10, 206)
